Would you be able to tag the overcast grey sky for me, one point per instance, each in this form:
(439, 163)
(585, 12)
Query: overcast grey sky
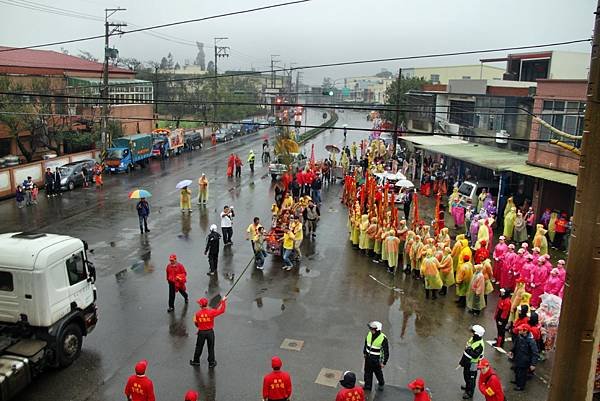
(320, 31)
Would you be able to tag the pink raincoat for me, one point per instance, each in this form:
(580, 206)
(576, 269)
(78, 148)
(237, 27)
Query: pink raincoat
(506, 275)
(539, 278)
(554, 285)
(499, 251)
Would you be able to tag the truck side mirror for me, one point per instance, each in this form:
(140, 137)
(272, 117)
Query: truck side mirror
(91, 271)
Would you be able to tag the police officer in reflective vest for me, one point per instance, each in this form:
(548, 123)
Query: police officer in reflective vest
(470, 358)
(376, 352)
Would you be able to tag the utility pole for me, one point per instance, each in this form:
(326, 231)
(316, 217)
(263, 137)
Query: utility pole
(220, 51)
(156, 96)
(396, 120)
(273, 61)
(578, 333)
(108, 53)
(298, 86)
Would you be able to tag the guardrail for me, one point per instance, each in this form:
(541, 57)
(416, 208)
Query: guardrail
(316, 131)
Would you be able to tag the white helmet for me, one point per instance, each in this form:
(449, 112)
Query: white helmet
(213, 227)
(478, 330)
(376, 325)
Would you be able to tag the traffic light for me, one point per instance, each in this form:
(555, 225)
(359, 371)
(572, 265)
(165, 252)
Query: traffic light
(278, 103)
(327, 92)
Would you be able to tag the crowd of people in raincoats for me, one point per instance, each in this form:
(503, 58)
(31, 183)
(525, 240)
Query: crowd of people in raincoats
(531, 286)
(473, 266)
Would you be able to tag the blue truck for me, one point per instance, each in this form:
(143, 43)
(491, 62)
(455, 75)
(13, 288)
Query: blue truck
(127, 152)
(249, 126)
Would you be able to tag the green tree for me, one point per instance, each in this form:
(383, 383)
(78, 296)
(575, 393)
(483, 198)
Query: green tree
(34, 122)
(392, 98)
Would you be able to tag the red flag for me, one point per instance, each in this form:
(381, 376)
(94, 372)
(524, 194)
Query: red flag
(438, 198)
(416, 207)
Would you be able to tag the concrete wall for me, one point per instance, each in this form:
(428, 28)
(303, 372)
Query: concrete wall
(12, 176)
(475, 71)
(569, 65)
(546, 155)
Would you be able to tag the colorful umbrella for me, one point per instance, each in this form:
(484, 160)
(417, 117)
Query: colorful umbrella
(183, 184)
(139, 193)
(332, 149)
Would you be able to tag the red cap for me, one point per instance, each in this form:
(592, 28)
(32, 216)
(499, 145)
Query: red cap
(173, 257)
(191, 395)
(418, 383)
(484, 363)
(466, 258)
(276, 362)
(140, 367)
(203, 302)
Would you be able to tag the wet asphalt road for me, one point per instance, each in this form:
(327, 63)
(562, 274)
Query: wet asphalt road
(326, 302)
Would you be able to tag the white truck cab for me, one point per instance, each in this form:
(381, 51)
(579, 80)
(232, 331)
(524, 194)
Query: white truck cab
(47, 303)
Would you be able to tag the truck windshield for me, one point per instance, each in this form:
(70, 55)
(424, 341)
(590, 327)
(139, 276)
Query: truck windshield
(115, 154)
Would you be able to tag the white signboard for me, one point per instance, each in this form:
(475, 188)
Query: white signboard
(5, 181)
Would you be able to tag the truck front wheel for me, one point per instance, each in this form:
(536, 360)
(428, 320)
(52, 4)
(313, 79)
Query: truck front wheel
(69, 344)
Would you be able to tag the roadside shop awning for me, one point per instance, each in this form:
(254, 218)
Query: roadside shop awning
(488, 157)
(475, 153)
(546, 174)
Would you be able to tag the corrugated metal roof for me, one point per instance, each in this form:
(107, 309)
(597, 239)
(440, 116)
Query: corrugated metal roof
(32, 58)
(482, 155)
(489, 157)
(546, 174)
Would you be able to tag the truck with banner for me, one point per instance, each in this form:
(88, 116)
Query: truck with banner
(171, 141)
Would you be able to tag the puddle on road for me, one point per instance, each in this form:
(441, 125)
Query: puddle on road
(264, 308)
(309, 273)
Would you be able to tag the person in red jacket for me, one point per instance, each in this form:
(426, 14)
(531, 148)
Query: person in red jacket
(204, 320)
(176, 277)
(417, 386)
(139, 387)
(482, 253)
(489, 382)
(191, 395)
(502, 314)
(277, 385)
(350, 391)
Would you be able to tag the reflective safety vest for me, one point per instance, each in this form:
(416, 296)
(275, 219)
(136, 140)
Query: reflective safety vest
(251, 158)
(374, 346)
(475, 344)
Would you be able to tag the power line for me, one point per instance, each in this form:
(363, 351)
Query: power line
(51, 10)
(207, 122)
(342, 63)
(94, 100)
(229, 14)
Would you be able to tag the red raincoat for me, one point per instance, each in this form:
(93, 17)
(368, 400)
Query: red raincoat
(177, 275)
